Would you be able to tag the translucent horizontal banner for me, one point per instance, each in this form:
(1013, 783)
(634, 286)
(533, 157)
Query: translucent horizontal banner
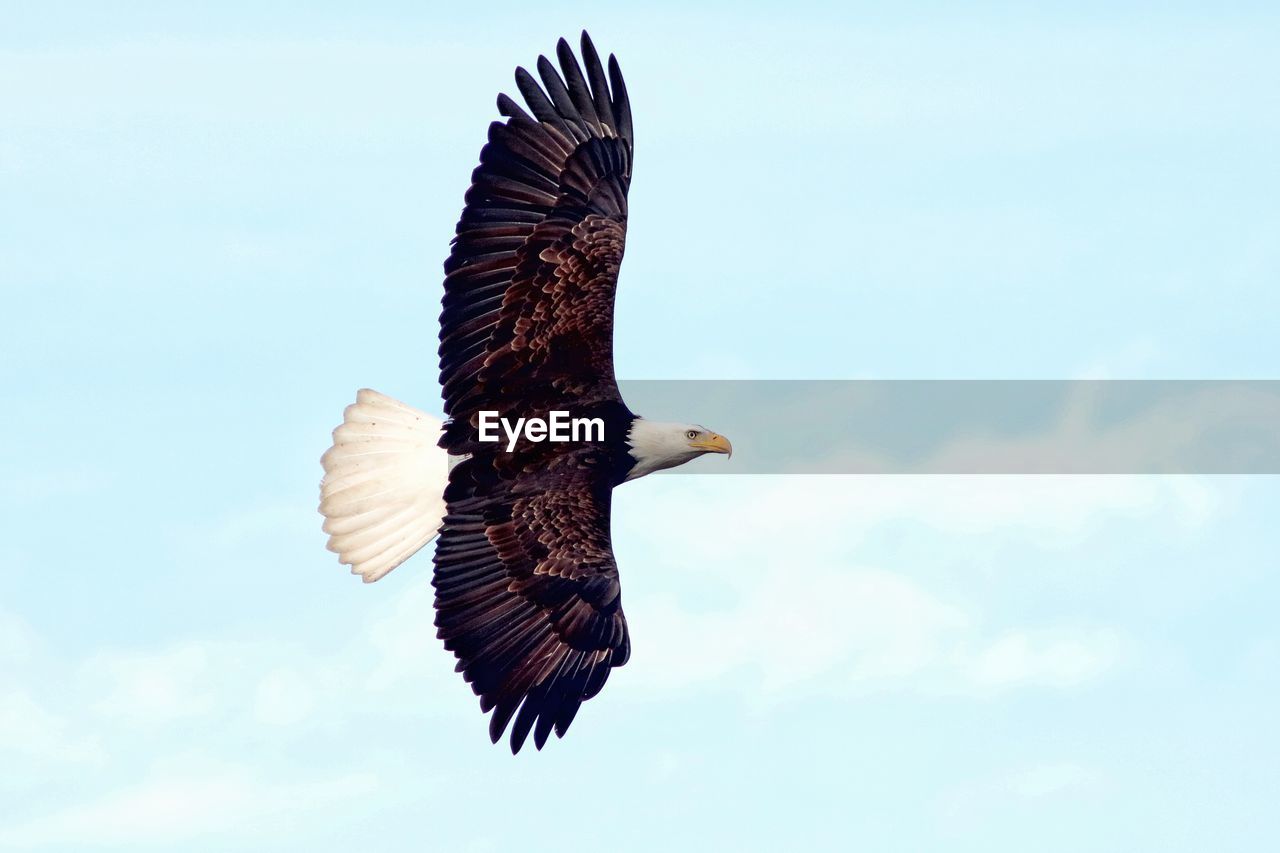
(976, 427)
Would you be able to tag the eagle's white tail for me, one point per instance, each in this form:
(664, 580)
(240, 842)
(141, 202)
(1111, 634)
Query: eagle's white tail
(382, 495)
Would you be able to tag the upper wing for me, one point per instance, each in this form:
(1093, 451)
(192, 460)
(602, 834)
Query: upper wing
(530, 282)
(527, 593)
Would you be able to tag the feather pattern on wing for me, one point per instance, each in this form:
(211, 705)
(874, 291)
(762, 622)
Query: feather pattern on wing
(527, 592)
(530, 281)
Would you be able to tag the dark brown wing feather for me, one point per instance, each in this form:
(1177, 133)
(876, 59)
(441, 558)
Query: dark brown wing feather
(530, 281)
(527, 593)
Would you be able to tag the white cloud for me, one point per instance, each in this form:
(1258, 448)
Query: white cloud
(1047, 779)
(1175, 432)
(980, 800)
(24, 490)
(1020, 657)
(817, 624)
(743, 520)
(17, 640)
(783, 600)
(284, 698)
(156, 687)
(773, 590)
(390, 663)
(30, 730)
(764, 588)
(397, 647)
(838, 631)
(181, 804)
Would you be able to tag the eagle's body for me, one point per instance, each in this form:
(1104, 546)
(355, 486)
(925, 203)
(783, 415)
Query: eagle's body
(527, 591)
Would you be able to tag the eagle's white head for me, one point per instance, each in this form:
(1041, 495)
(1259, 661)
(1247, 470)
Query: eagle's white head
(656, 445)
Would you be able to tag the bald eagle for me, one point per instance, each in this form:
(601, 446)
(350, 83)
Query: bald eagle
(527, 595)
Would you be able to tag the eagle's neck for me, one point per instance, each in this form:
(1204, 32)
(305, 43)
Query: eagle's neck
(655, 445)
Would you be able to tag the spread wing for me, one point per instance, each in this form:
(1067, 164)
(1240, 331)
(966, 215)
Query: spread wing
(530, 281)
(527, 593)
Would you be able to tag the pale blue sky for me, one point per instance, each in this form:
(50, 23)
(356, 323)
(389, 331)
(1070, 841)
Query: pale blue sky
(216, 226)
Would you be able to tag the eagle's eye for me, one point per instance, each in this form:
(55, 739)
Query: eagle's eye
(691, 434)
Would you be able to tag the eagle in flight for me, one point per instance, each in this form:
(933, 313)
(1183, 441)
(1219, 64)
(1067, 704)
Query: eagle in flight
(527, 595)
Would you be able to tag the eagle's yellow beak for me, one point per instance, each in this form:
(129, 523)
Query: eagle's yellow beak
(713, 443)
